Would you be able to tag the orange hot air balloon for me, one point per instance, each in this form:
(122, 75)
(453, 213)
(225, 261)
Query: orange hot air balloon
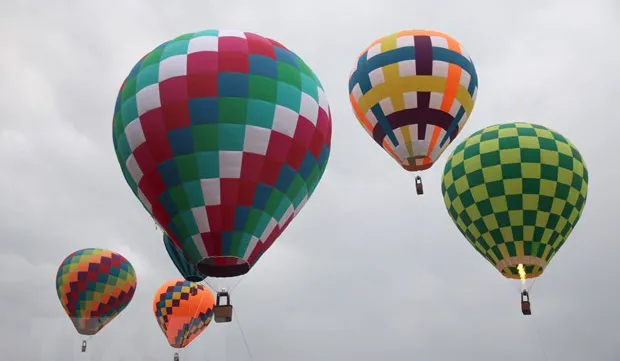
(183, 310)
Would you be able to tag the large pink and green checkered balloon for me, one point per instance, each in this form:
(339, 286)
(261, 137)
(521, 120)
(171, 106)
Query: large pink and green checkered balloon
(223, 136)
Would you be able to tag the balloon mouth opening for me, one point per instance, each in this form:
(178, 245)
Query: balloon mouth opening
(411, 165)
(88, 332)
(86, 326)
(534, 267)
(225, 266)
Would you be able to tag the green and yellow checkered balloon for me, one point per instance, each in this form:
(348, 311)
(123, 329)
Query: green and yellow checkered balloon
(516, 191)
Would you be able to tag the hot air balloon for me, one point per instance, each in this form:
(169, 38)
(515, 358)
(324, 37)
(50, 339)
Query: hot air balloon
(223, 136)
(413, 92)
(516, 192)
(94, 286)
(183, 310)
(187, 270)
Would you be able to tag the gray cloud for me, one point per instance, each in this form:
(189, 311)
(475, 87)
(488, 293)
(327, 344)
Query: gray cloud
(368, 270)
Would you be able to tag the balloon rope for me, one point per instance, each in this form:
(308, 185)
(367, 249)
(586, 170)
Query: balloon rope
(532, 284)
(245, 341)
(517, 285)
(238, 282)
(206, 283)
(540, 343)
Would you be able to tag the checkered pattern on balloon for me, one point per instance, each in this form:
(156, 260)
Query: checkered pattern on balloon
(94, 286)
(516, 191)
(183, 311)
(223, 136)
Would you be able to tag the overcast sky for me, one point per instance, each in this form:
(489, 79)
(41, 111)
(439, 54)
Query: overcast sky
(368, 270)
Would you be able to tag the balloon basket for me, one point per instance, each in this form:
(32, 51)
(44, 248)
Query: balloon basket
(418, 185)
(223, 310)
(176, 356)
(525, 303)
(83, 346)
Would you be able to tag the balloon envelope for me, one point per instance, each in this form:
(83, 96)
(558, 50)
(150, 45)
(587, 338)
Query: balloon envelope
(413, 91)
(94, 286)
(183, 310)
(223, 136)
(516, 191)
(187, 270)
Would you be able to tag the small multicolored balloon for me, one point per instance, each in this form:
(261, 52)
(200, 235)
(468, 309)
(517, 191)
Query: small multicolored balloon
(94, 286)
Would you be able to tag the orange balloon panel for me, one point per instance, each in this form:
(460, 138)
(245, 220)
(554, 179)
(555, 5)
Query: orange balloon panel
(183, 310)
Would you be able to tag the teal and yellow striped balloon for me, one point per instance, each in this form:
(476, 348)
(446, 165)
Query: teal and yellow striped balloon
(413, 92)
(516, 192)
